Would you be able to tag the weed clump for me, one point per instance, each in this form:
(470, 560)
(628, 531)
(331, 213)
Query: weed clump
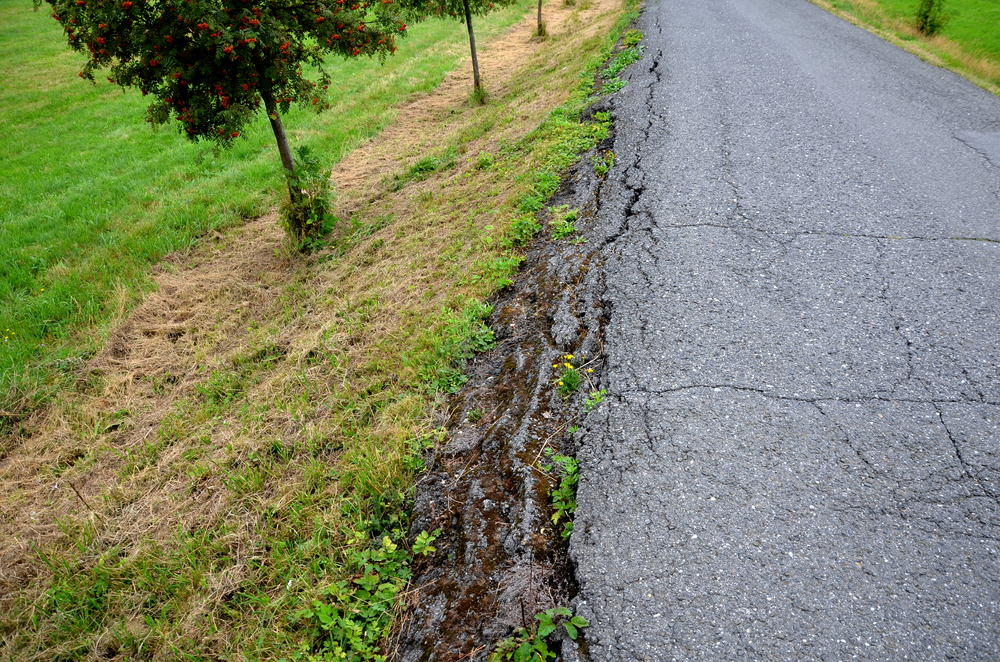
(355, 616)
(564, 496)
(563, 222)
(523, 230)
(305, 214)
(423, 169)
(930, 17)
(485, 161)
(528, 642)
(603, 163)
(568, 381)
(632, 38)
(479, 96)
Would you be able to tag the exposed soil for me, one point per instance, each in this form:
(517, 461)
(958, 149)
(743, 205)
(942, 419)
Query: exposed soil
(499, 559)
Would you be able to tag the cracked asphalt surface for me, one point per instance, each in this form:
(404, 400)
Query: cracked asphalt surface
(799, 457)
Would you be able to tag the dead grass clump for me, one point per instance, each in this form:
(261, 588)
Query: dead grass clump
(256, 423)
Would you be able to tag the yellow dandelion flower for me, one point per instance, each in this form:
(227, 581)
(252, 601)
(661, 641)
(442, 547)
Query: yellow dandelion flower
(560, 383)
(568, 365)
(590, 370)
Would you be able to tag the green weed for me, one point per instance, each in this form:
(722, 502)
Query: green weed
(308, 217)
(571, 373)
(485, 161)
(424, 168)
(603, 163)
(623, 59)
(596, 398)
(422, 544)
(563, 221)
(930, 16)
(528, 643)
(479, 96)
(632, 38)
(569, 381)
(354, 616)
(564, 496)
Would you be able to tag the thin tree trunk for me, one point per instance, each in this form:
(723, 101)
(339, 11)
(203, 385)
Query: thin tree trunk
(279, 136)
(472, 44)
(539, 18)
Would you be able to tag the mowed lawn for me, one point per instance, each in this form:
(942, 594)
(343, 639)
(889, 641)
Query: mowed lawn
(91, 195)
(974, 24)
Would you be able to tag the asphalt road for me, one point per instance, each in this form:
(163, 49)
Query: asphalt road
(799, 458)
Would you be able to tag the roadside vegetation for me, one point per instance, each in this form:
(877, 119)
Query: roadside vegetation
(960, 35)
(223, 471)
(91, 196)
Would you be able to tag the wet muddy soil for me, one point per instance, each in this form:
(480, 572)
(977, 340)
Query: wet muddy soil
(499, 559)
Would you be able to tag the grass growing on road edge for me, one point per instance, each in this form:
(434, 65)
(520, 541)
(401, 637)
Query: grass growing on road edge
(969, 45)
(91, 196)
(229, 478)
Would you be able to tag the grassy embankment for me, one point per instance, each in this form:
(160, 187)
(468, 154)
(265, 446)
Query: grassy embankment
(969, 43)
(228, 477)
(91, 195)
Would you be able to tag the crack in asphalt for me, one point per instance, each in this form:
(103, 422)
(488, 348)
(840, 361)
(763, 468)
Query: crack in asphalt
(794, 398)
(894, 450)
(819, 233)
(969, 470)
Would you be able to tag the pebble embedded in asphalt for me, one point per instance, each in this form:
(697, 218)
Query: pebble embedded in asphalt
(799, 455)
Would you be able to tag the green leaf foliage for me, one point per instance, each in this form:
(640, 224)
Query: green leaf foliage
(209, 64)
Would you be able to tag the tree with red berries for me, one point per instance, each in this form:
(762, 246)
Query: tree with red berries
(211, 64)
(461, 9)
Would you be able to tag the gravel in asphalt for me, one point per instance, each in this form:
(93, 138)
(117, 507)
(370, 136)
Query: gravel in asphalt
(799, 457)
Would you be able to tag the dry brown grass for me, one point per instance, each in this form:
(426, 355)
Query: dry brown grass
(261, 407)
(935, 49)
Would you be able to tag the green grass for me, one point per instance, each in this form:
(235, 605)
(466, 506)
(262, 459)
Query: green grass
(246, 518)
(968, 44)
(975, 24)
(91, 195)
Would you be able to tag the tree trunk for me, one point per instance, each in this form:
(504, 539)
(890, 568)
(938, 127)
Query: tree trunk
(472, 44)
(540, 18)
(279, 136)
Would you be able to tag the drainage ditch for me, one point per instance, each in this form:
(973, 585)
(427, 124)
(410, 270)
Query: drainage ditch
(500, 559)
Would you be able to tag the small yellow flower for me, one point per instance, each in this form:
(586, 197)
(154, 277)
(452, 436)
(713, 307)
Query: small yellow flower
(569, 356)
(590, 370)
(568, 365)
(560, 383)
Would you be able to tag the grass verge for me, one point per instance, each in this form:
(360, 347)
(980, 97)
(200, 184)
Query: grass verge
(969, 43)
(228, 478)
(90, 196)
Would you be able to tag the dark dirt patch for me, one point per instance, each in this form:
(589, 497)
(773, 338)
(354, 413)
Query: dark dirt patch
(499, 559)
